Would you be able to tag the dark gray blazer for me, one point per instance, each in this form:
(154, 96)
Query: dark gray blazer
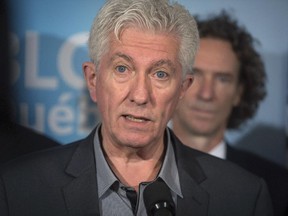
(274, 175)
(62, 181)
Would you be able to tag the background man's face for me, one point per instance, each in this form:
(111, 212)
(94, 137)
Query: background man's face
(207, 104)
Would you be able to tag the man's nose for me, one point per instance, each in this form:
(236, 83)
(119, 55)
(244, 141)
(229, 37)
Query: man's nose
(140, 91)
(206, 89)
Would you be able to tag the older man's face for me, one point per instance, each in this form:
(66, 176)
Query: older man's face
(137, 86)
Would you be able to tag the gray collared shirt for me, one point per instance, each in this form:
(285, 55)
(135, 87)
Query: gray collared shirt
(112, 197)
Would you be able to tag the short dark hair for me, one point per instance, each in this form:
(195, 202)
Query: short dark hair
(252, 74)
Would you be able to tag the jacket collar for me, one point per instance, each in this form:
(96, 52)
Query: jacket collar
(195, 198)
(81, 193)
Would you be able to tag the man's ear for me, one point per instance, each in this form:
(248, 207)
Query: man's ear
(238, 95)
(187, 82)
(89, 71)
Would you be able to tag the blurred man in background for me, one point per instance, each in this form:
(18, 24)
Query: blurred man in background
(228, 86)
(15, 140)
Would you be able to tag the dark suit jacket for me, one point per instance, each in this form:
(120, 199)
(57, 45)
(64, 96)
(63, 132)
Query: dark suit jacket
(275, 176)
(17, 140)
(62, 181)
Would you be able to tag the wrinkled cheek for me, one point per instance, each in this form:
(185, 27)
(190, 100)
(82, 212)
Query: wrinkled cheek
(103, 105)
(176, 100)
(170, 107)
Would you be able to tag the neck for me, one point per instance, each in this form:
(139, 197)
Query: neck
(134, 166)
(204, 142)
(201, 143)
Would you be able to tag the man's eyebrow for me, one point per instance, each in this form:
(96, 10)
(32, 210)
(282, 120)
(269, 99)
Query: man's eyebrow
(164, 62)
(121, 55)
(218, 72)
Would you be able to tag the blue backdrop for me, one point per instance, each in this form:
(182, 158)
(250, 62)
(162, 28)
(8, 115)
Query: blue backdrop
(49, 46)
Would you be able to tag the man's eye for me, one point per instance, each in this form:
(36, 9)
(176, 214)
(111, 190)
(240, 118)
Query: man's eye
(224, 78)
(121, 69)
(161, 74)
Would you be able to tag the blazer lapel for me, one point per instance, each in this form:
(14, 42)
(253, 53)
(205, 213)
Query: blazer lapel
(81, 193)
(195, 199)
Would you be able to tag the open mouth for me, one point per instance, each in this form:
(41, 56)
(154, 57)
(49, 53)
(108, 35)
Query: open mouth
(136, 119)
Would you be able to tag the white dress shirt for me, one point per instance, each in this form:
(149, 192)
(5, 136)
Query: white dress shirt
(219, 150)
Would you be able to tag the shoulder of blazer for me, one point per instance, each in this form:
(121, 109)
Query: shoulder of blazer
(201, 165)
(253, 162)
(56, 157)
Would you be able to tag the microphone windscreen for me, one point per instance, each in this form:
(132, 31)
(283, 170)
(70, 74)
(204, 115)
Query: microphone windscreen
(158, 199)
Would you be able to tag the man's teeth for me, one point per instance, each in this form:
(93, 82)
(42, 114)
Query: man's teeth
(131, 118)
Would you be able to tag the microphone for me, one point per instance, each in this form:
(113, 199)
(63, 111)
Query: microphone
(158, 200)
